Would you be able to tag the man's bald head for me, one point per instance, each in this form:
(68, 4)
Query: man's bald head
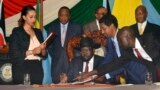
(141, 14)
(126, 37)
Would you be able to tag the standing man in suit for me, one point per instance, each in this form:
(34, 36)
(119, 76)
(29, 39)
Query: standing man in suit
(84, 63)
(143, 27)
(94, 25)
(65, 29)
(130, 44)
(147, 32)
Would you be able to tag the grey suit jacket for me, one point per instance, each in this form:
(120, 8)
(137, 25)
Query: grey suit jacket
(91, 26)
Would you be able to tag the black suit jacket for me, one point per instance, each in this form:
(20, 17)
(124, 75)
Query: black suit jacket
(150, 40)
(57, 52)
(76, 66)
(19, 43)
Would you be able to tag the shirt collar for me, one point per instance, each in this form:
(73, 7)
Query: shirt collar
(115, 36)
(143, 24)
(91, 60)
(66, 25)
(137, 44)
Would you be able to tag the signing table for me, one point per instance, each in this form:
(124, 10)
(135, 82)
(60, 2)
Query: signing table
(80, 87)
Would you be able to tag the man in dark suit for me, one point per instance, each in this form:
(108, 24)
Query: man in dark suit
(143, 27)
(65, 29)
(146, 32)
(129, 43)
(86, 62)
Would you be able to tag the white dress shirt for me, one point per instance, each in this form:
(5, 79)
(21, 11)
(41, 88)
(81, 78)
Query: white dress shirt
(116, 45)
(63, 33)
(97, 22)
(141, 51)
(142, 26)
(90, 65)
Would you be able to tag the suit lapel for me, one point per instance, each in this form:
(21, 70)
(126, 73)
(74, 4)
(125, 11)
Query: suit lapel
(136, 30)
(96, 62)
(58, 30)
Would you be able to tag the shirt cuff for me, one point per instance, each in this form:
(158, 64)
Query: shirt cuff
(107, 76)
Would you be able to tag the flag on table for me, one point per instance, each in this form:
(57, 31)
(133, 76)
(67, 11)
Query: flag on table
(2, 22)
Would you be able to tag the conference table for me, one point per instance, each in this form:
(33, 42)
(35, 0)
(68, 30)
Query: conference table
(80, 87)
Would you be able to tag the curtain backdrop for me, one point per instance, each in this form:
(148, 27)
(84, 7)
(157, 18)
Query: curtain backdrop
(82, 10)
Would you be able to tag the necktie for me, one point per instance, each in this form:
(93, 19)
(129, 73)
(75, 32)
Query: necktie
(140, 29)
(86, 68)
(63, 35)
(138, 54)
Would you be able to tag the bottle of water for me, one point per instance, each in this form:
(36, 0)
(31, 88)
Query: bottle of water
(148, 78)
(27, 79)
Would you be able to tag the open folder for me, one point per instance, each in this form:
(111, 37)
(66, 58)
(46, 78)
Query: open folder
(50, 38)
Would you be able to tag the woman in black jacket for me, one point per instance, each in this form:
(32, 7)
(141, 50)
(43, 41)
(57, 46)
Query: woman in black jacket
(25, 48)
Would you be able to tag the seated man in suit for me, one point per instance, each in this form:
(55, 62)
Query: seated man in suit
(84, 63)
(130, 44)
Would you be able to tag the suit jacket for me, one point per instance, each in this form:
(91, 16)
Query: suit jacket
(150, 40)
(111, 52)
(57, 52)
(19, 43)
(91, 26)
(76, 66)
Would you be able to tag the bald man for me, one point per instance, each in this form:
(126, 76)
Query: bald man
(129, 59)
(143, 27)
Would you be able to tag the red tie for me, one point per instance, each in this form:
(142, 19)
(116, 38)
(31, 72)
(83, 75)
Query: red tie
(138, 54)
(86, 68)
